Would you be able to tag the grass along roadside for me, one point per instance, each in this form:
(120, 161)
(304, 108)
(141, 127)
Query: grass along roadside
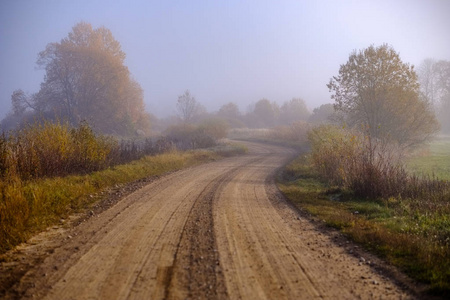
(415, 241)
(434, 161)
(28, 207)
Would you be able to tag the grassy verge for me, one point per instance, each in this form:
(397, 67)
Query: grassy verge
(434, 161)
(392, 228)
(27, 207)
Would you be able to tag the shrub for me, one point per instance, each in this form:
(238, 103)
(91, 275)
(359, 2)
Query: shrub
(205, 135)
(333, 150)
(296, 133)
(215, 128)
(349, 159)
(53, 149)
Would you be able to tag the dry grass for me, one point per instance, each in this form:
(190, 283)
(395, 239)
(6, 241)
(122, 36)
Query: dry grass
(413, 234)
(29, 206)
(349, 160)
(53, 149)
(49, 171)
(294, 135)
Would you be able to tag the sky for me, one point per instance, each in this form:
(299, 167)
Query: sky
(224, 51)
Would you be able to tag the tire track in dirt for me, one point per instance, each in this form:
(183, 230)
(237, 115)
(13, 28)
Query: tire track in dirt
(197, 271)
(265, 255)
(194, 271)
(129, 251)
(216, 231)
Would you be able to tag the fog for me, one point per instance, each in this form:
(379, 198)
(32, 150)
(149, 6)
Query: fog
(229, 51)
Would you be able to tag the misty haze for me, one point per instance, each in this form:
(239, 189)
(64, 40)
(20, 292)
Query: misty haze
(235, 150)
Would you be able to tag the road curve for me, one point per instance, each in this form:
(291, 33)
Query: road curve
(216, 231)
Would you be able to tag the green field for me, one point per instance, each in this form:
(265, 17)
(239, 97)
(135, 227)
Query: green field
(434, 160)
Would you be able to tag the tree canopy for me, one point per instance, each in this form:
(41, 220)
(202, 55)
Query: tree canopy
(188, 108)
(434, 78)
(86, 79)
(322, 114)
(266, 113)
(292, 111)
(379, 94)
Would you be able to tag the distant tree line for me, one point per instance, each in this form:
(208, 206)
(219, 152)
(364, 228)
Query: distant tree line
(434, 79)
(262, 114)
(86, 80)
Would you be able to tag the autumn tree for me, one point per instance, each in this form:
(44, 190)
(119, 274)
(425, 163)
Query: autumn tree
(230, 113)
(428, 80)
(188, 107)
(19, 102)
(293, 110)
(86, 79)
(322, 114)
(266, 113)
(434, 78)
(379, 94)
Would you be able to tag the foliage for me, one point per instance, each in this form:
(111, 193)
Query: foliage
(266, 112)
(231, 114)
(53, 150)
(349, 160)
(322, 114)
(214, 127)
(292, 111)
(50, 170)
(189, 136)
(57, 149)
(332, 149)
(30, 206)
(229, 111)
(434, 78)
(379, 94)
(296, 134)
(188, 108)
(86, 79)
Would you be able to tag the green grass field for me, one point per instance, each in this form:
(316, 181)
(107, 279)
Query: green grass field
(433, 161)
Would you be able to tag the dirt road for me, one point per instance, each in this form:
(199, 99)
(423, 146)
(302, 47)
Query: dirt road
(216, 231)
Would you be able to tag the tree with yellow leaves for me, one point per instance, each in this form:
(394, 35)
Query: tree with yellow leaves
(86, 80)
(379, 94)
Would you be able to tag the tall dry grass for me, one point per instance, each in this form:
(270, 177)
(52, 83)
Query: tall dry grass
(295, 134)
(49, 170)
(411, 230)
(53, 149)
(348, 159)
(57, 149)
(29, 206)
